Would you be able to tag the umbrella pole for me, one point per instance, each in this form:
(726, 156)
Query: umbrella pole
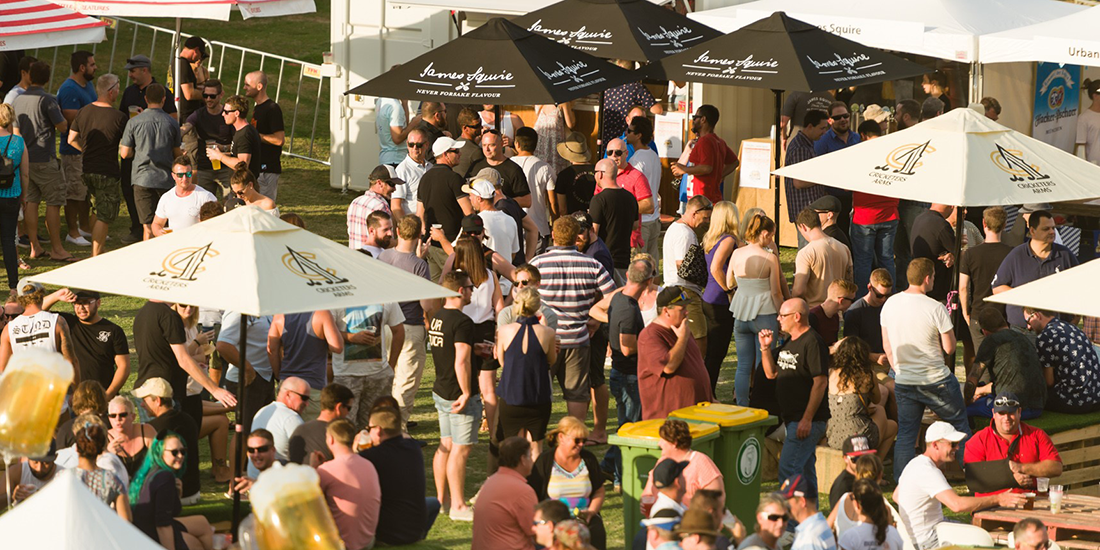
(497, 112)
(599, 130)
(239, 427)
(778, 140)
(176, 68)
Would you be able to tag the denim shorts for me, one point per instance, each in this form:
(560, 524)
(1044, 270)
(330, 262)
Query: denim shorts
(461, 428)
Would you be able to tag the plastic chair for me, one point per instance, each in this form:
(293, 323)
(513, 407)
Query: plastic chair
(961, 534)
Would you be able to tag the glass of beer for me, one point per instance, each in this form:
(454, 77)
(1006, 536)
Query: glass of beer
(291, 512)
(32, 392)
(211, 144)
(134, 111)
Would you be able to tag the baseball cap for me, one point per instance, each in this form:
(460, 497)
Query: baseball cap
(796, 486)
(1006, 402)
(27, 287)
(490, 175)
(198, 44)
(472, 223)
(666, 519)
(828, 203)
(666, 472)
(385, 173)
(154, 387)
(444, 144)
(584, 219)
(137, 62)
(672, 296)
(942, 430)
(87, 295)
(858, 445)
(480, 187)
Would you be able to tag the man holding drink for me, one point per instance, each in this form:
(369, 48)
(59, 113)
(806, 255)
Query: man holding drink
(211, 130)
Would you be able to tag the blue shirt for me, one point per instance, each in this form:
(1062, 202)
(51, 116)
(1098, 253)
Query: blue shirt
(598, 251)
(255, 351)
(73, 96)
(814, 534)
(1065, 348)
(12, 148)
(389, 112)
(831, 142)
(1022, 266)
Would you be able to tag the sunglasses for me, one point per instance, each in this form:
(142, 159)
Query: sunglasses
(186, 174)
(10, 316)
(260, 449)
(304, 396)
(227, 111)
(615, 152)
(523, 282)
(474, 126)
(785, 314)
(240, 194)
(416, 145)
(777, 517)
(840, 117)
(178, 453)
(539, 522)
(118, 415)
(879, 294)
(211, 96)
(1005, 402)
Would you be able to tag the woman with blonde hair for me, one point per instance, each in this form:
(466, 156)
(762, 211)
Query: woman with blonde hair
(13, 150)
(214, 423)
(571, 474)
(526, 349)
(721, 239)
(772, 515)
(128, 439)
(755, 271)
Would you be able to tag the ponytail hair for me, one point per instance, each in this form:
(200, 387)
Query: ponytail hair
(869, 497)
(242, 176)
(757, 225)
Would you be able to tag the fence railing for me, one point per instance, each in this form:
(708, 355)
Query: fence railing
(297, 86)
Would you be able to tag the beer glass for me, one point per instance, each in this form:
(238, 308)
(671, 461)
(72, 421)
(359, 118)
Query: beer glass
(32, 392)
(291, 512)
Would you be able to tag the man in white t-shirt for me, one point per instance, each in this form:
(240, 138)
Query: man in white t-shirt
(679, 237)
(919, 341)
(540, 178)
(412, 168)
(923, 490)
(639, 134)
(282, 416)
(179, 208)
(366, 365)
(1088, 126)
(501, 232)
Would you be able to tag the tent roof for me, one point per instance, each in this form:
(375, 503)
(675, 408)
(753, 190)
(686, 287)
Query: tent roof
(30, 24)
(1068, 39)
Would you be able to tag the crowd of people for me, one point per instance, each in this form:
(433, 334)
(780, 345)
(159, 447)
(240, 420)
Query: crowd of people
(561, 269)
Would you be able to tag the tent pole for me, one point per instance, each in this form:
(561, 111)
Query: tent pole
(176, 64)
(238, 435)
(497, 112)
(599, 130)
(777, 141)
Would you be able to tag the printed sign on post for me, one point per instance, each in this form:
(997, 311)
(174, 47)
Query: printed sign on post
(756, 162)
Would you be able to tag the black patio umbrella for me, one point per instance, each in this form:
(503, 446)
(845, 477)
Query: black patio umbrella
(780, 53)
(638, 30)
(499, 62)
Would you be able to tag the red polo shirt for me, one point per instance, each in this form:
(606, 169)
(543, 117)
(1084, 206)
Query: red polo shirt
(1035, 446)
(712, 151)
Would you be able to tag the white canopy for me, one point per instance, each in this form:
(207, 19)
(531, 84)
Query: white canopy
(946, 29)
(1059, 292)
(246, 261)
(65, 515)
(960, 158)
(30, 24)
(196, 9)
(1070, 39)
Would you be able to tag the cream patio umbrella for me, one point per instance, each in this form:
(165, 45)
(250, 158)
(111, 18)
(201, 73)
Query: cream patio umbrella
(29, 24)
(250, 262)
(1064, 292)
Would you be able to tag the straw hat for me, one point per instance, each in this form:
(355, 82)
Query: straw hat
(875, 113)
(574, 148)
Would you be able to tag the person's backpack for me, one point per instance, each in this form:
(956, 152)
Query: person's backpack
(693, 268)
(7, 167)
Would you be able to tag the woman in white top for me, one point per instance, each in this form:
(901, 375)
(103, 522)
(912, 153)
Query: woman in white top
(243, 185)
(755, 272)
(875, 530)
(844, 515)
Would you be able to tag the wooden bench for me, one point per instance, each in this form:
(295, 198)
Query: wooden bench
(1077, 438)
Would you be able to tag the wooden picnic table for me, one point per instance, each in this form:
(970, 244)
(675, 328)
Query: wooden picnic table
(1076, 527)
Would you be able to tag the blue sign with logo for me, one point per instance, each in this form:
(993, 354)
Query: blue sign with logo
(1057, 100)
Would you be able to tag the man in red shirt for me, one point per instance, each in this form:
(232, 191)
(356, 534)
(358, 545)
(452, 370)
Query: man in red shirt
(1035, 455)
(505, 510)
(874, 227)
(671, 373)
(711, 159)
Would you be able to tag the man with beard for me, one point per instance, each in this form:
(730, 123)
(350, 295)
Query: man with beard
(100, 345)
(711, 160)
(383, 180)
(379, 233)
(74, 94)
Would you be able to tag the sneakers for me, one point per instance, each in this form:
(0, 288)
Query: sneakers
(78, 241)
(130, 238)
(462, 515)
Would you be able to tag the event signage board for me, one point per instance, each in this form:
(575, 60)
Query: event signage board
(1057, 101)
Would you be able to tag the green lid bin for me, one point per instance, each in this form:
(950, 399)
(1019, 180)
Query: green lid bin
(638, 443)
(738, 452)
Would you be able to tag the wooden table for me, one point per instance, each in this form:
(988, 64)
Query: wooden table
(1077, 526)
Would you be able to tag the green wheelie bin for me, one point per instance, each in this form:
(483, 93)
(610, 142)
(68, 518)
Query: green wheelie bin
(638, 443)
(738, 452)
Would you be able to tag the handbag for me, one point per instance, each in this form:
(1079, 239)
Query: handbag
(7, 167)
(693, 268)
(989, 476)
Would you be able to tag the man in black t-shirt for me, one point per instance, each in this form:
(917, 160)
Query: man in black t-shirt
(267, 118)
(933, 238)
(406, 515)
(977, 268)
(799, 366)
(457, 401)
(614, 213)
(156, 398)
(194, 50)
(575, 184)
(210, 128)
(441, 201)
(246, 140)
(513, 180)
(96, 132)
(133, 102)
(100, 345)
(310, 436)
(862, 317)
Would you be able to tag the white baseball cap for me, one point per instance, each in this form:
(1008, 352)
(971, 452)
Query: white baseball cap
(444, 144)
(942, 430)
(481, 188)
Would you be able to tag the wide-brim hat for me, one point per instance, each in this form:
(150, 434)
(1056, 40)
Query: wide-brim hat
(574, 148)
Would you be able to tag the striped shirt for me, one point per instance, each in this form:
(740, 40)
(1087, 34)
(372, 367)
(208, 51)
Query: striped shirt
(571, 284)
(799, 149)
(358, 211)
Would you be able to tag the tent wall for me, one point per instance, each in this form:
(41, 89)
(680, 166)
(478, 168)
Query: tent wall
(1013, 84)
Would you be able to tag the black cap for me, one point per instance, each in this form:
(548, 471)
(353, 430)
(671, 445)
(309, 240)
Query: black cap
(198, 44)
(385, 173)
(673, 296)
(472, 223)
(50, 456)
(137, 62)
(667, 471)
(828, 203)
(87, 295)
(584, 219)
(1006, 402)
(858, 445)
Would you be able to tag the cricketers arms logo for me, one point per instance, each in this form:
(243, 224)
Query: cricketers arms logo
(180, 267)
(575, 73)
(747, 68)
(581, 38)
(322, 279)
(902, 162)
(851, 68)
(478, 84)
(1024, 174)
